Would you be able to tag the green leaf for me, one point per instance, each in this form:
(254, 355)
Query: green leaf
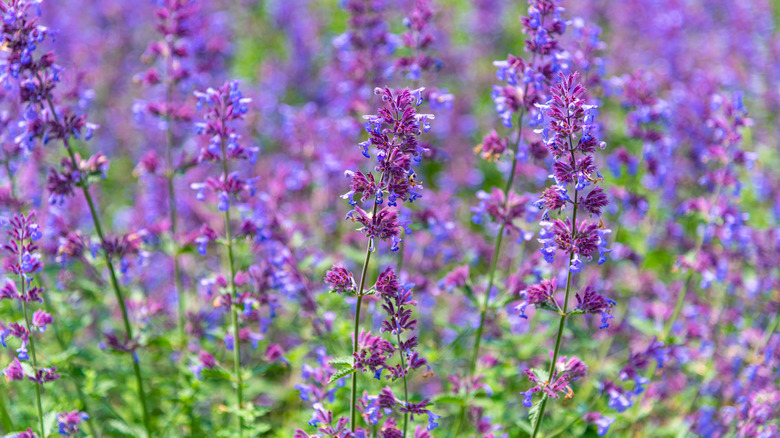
(260, 370)
(526, 426)
(547, 306)
(342, 360)
(125, 429)
(64, 356)
(536, 410)
(470, 294)
(541, 374)
(28, 369)
(258, 429)
(341, 373)
(48, 422)
(215, 373)
(450, 399)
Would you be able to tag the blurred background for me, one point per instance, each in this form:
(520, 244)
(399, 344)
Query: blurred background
(694, 206)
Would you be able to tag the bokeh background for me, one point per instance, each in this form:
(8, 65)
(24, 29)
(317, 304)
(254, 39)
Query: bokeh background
(662, 72)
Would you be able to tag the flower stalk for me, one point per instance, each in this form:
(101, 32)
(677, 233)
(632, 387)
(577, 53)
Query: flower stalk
(113, 277)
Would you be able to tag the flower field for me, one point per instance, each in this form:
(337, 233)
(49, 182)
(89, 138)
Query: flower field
(390, 218)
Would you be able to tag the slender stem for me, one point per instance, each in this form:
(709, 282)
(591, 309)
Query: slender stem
(76, 383)
(486, 299)
(234, 301)
(170, 143)
(4, 417)
(769, 332)
(30, 331)
(561, 324)
(496, 253)
(34, 358)
(461, 417)
(366, 260)
(112, 275)
(669, 325)
(406, 388)
(364, 272)
(497, 247)
(353, 396)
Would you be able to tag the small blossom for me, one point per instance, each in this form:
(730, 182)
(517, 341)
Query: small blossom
(340, 280)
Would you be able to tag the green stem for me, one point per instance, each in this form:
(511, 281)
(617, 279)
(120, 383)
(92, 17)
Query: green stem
(31, 332)
(366, 260)
(770, 331)
(678, 305)
(364, 272)
(353, 395)
(406, 388)
(496, 248)
(112, 274)
(496, 253)
(486, 299)
(562, 323)
(233, 308)
(4, 417)
(34, 359)
(170, 141)
(76, 383)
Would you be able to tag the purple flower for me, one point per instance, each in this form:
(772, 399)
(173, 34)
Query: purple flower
(492, 147)
(340, 280)
(602, 422)
(69, 422)
(383, 226)
(41, 319)
(14, 371)
(619, 400)
(538, 295)
(595, 201)
(594, 303)
(458, 277)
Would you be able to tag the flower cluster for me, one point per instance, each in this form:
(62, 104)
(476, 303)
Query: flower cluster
(372, 354)
(594, 303)
(569, 118)
(388, 402)
(363, 51)
(393, 136)
(317, 389)
(62, 183)
(340, 280)
(528, 83)
(503, 209)
(541, 295)
(171, 52)
(226, 105)
(69, 423)
(602, 422)
(35, 77)
(492, 147)
(24, 261)
(397, 303)
(323, 420)
(418, 38)
(565, 372)
(256, 305)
